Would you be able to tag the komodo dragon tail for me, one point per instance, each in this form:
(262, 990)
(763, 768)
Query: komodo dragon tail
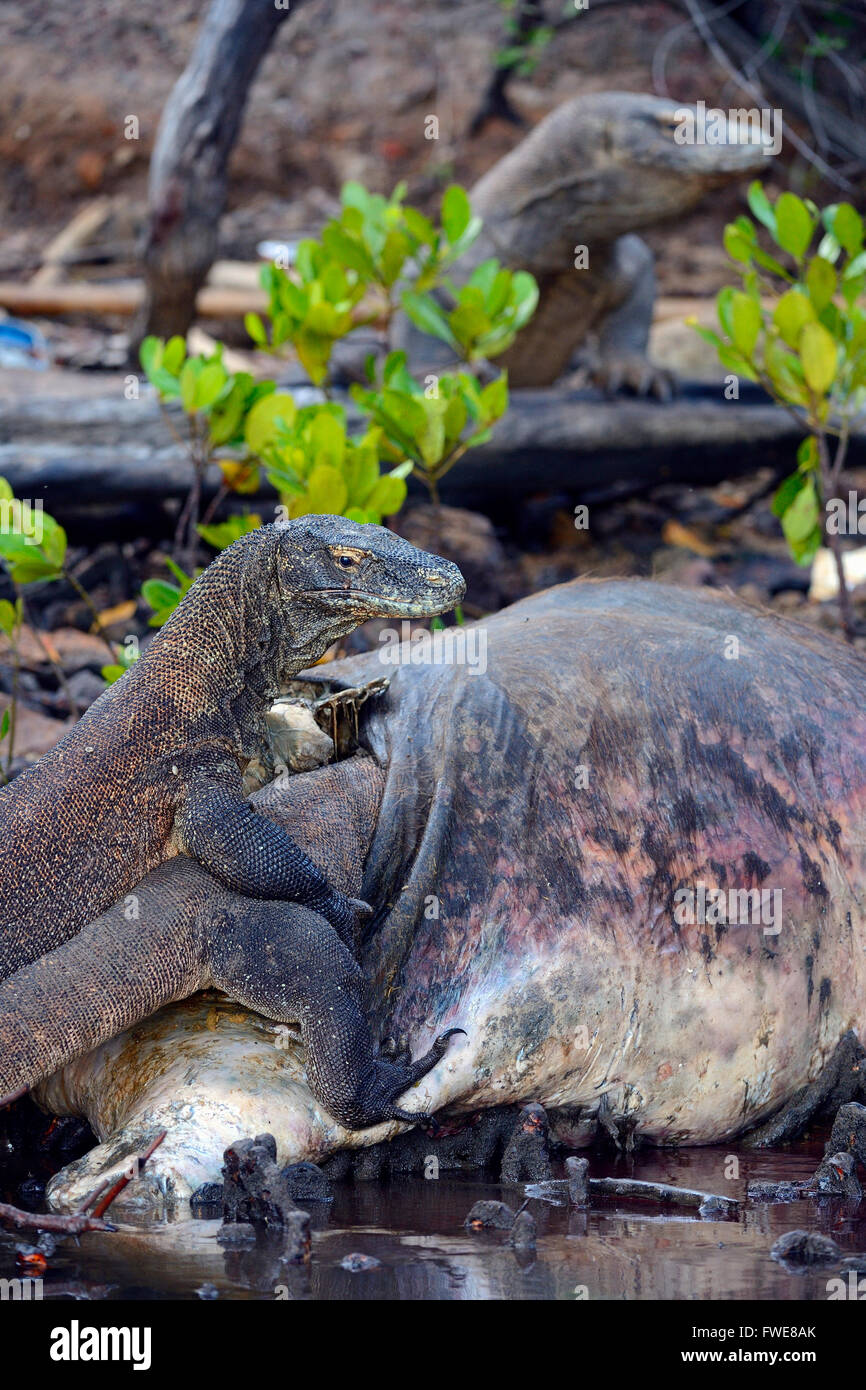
(110, 976)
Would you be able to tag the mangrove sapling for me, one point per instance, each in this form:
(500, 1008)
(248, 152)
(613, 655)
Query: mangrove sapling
(799, 328)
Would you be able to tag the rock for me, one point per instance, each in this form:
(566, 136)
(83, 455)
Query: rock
(307, 1183)
(524, 1232)
(578, 1181)
(527, 1156)
(210, 1194)
(848, 1134)
(714, 1206)
(761, 1191)
(86, 686)
(254, 1189)
(855, 1262)
(836, 1175)
(799, 1248)
(357, 1263)
(490, 1216)
(71, 649)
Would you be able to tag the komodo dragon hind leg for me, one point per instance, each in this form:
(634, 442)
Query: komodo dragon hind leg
(146, 951)
(289, 964)
(252, 855)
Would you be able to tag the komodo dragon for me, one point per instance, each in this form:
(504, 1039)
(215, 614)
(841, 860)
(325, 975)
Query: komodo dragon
(596, 170)
(154, 769)
(527, 825)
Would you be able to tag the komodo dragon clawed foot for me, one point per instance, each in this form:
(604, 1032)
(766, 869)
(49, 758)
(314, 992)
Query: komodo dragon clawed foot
(290, 965)
(631, 373)
(387, 1080)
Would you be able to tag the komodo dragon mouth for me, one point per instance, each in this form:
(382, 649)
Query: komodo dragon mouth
(395, 608)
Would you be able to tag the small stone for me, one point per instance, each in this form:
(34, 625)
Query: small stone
(523, 1232)
(307, 1183)
(527, 1155)
(208, 1291)
(210, 1194)
(490, 1216)
(798, 1248)
(577, 1170)
(357, 1263)
(836, 1176)
(848, 1134)
(713, 1206)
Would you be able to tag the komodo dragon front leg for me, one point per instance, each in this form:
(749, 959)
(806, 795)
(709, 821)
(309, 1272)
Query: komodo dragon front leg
(180, 931)
(217, 826)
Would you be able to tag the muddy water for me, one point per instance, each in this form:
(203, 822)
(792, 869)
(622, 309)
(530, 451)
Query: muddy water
(616, 1250)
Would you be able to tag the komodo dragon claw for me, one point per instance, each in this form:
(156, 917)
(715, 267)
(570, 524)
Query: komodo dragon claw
(387, 1080)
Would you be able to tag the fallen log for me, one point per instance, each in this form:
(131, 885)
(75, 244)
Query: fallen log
(96, 456)
(122, 297)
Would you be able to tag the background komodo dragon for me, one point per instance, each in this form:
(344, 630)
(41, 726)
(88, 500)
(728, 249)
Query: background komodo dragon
(154, 768)
(596, 170)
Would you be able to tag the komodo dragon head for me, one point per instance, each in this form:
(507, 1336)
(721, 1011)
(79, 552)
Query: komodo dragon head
(603, 165)
(355, 572)
(272, 603)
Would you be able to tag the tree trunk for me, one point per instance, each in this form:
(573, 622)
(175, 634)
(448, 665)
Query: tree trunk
(187, 185)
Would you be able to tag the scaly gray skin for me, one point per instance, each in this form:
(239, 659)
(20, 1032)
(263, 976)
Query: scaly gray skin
(154, 768)
(523, 830)
(592, 173)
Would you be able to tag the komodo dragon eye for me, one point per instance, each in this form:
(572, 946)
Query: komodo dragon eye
(348, 559)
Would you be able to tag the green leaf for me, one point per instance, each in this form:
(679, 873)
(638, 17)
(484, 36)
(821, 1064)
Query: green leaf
(847, 227)
(738, 247)
(162, 598)
(184, 580)
(174, 354)
(746, 322)
(456, 212)
(426, 314)
(256, 329)
(761, 207)
(494, 399)
(786, 492)
(794, 225)
(8, 621)
(188, 379)
(260, 428)
(112, 673)
(802, 513)
(387, 496)
(326, 491)
(150, 354)
(222, 534)
(790, 314)
(818, 355)
(209, 385)
(820, 282)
